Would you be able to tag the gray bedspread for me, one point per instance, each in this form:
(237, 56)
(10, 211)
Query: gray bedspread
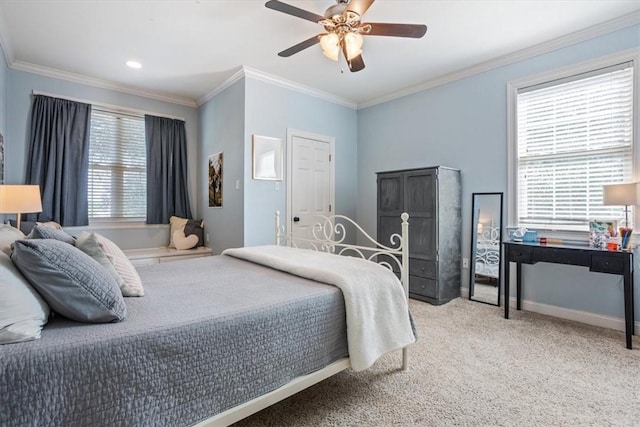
(210, 333)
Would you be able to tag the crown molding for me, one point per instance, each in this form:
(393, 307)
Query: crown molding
(104, 84)
(287, 84)
(222, 86)
(527, 53)
(255, 74)
(4, 42)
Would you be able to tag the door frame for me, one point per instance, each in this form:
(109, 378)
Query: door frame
(291, 133)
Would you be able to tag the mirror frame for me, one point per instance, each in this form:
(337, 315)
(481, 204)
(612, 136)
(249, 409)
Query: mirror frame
(474, 239)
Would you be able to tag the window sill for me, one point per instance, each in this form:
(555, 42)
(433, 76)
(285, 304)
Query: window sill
(116, 225)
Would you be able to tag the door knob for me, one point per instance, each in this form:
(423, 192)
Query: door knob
(296, 219)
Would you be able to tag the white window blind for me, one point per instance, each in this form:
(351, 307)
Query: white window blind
(573, 136)
(117, 166)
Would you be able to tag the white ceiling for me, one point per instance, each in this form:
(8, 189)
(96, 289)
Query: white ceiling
(189, 48)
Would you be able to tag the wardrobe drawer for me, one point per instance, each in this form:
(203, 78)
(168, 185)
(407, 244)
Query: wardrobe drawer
(422, 268)
(422, 286)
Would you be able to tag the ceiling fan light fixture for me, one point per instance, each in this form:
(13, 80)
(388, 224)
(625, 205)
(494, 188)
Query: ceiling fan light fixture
(330, 45)
(332, 54)
(329, 41)
(353, 44)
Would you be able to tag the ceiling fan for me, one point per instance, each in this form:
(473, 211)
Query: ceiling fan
(344, 30)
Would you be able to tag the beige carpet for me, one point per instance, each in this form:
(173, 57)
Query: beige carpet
(471, 367)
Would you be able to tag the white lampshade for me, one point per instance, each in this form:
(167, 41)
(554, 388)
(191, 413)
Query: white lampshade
(19, 199)
(620, 194)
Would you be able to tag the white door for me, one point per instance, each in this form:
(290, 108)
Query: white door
(310, 184)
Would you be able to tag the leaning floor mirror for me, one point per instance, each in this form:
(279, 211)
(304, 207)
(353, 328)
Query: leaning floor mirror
(486, 248)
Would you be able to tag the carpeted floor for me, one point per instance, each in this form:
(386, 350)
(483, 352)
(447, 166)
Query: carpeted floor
(471, 367)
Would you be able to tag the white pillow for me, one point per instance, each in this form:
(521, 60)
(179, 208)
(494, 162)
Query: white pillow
(8, 235)
(23, 312)
(88, 243)
(176, 224)
(121, 263)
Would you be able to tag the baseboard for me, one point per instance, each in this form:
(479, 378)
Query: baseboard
(610, 322)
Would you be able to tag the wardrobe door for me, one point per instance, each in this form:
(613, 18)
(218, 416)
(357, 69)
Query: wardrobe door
(390, 207)
(420, 204)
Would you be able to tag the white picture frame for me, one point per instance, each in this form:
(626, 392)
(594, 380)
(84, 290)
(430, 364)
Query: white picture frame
(267, 158)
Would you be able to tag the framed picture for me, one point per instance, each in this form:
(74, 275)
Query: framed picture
(267, 158)
(215, 180)
(600, 232)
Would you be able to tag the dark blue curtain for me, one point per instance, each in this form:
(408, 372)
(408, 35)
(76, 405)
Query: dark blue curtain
(58, 159)
(167, 192)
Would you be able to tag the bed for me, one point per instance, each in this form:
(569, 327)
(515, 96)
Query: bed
(205, 346)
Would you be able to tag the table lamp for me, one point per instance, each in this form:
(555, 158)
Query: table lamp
(19, 199)
(623, 194)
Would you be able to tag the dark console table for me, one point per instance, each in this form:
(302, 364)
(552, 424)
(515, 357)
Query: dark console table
(602, 261)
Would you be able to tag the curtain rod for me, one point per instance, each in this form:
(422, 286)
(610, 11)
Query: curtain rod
(117, 108)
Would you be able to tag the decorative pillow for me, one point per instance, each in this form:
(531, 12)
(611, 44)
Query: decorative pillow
(177, 224)
(70, 281)
(8, 235)
(195, 227)
(88, 243)
(25, 226)
(23, 312)
(184, 242)
(50, 224)
(121, 263)
(42, 232)
(186, 227)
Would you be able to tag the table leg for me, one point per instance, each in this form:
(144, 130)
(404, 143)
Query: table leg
(519, 286)
(506, 282)
(628, 301)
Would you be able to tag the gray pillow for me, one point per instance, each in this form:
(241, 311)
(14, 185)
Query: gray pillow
(42, 232)
(70, 281)
(195, 226)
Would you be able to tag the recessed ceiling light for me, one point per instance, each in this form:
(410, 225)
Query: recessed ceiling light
(134, 64)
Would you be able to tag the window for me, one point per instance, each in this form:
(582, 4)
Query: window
(572, 135)
(117, 166)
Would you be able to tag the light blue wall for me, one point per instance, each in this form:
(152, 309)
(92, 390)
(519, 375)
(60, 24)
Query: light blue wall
(222, 124)
(3, 92)
(20, 85)
(269, 111)
(463, 125)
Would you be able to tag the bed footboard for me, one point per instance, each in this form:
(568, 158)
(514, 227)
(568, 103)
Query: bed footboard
(328, 234)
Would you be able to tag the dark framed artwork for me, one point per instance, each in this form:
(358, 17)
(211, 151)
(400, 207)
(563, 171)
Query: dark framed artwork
(215, 180)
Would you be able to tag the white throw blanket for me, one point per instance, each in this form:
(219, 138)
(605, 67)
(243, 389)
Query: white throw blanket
(376, 308)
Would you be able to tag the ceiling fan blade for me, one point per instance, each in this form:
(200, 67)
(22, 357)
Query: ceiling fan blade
(300, 46)
(396, 30)
(359, 6)
(292, 10)
(356, 64)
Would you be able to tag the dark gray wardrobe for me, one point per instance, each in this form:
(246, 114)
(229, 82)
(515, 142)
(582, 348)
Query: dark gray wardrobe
(432, 198)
